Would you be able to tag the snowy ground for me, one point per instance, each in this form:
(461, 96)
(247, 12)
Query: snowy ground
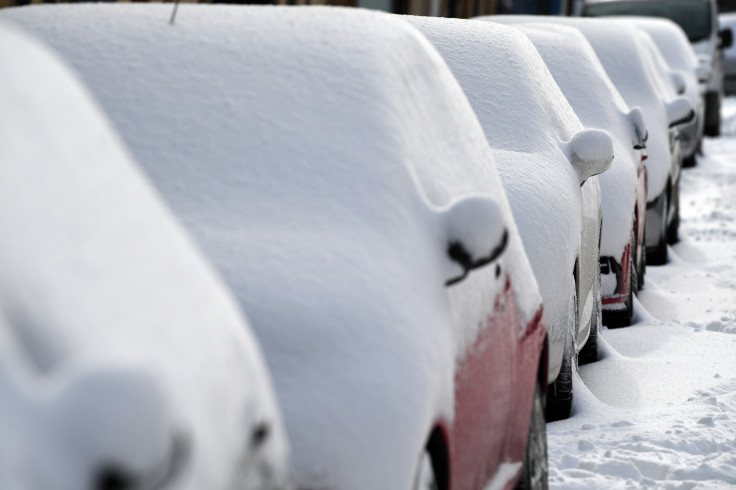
(658, 410)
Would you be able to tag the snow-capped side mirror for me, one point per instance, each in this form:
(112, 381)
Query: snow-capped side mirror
(119, 418)
(476, 235)
(679, 111)
(591, 153)
(702, 71)
(640, 134)
(678, 82)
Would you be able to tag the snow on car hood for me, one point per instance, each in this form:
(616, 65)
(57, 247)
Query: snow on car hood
(119, 343)
(619, 47)
(596, 101)
(281, 138)
(526, 120)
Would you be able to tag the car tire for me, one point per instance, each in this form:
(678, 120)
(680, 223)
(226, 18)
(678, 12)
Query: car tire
(534, 474)
(642, 268)
(559, 393)
(425, 476)
(589, 352)
(624, 318)
(712, 114)
(673, 228)
(658, 255)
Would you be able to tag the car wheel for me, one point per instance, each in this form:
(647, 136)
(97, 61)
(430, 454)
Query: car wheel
(712, 114)
(689, 161)
(559, 393)
(658, 256)
(425, 477)
(624, 318)
(642, 267)
(589, 353)
(674, 227)
(534, 474)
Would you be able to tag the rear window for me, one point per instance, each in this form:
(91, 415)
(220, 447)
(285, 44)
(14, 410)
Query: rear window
(694, 16)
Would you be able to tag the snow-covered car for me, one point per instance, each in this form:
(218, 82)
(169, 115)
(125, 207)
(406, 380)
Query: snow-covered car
(699, 20)
(548, 163)
(124, 360)
(683, 63)
(332, 169)
(625, 52)
(596, 101)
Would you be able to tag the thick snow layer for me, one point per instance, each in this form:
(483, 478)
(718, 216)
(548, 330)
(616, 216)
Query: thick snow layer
(658, 409)
(627, 61)
(677, 51)
(119, 344)
(290, 141)
(527, 122)
(596, 101)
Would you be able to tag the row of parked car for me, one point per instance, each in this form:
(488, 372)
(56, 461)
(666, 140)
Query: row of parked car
(321, 248)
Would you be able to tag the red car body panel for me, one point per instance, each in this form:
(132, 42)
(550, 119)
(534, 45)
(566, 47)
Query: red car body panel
(616, 301)
(494, 391)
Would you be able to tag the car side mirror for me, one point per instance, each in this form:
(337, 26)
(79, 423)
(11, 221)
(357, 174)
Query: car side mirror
(703, 73)
(679, 111)
(476, 235)
(591, 153)
(725, 38)
(640, 134)
(678, 81)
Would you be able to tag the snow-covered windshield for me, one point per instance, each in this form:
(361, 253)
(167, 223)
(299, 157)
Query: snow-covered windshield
(694, 16)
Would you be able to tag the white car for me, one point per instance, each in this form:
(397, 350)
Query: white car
(683, 63)
(596, 101)
(548, 163)
(332, 169)
(124, 361)
(625, 52)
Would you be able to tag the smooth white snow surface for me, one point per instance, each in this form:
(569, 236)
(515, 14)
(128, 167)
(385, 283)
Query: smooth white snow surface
(658, 410)
(120, 346)
(677, 51)
(291, 142)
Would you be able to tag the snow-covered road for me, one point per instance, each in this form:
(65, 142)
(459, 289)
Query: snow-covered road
(658, 410)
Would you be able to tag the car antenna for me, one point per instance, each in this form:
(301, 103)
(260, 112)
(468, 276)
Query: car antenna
(173, 12)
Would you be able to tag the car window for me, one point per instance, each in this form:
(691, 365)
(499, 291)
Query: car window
(693, 16)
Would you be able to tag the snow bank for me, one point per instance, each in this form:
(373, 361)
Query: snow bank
(120, 346)
(659, 408)
(290, 141)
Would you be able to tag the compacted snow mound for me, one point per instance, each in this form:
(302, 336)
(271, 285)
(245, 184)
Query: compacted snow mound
(123, 355)
(659, 408)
